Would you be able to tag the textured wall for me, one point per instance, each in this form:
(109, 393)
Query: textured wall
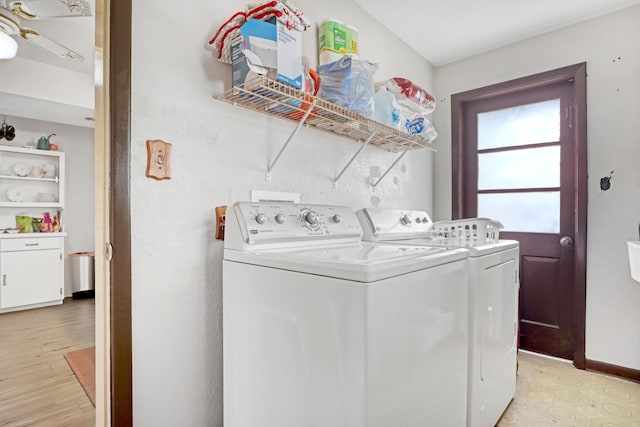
(220, 153)
(609, 46)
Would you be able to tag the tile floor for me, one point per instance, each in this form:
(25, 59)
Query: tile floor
(550, 392)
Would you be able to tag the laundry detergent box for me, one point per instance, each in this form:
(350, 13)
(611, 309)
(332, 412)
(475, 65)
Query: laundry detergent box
(267, 48)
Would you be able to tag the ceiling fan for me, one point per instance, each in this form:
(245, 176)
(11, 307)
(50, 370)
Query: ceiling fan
(12, 12)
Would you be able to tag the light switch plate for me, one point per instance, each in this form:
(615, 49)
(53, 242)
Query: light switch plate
(158, 159)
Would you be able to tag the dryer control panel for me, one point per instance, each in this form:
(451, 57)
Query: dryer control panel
(394, 224)
(264, 225)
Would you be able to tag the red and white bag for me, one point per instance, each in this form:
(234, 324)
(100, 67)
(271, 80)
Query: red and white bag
(283, 10)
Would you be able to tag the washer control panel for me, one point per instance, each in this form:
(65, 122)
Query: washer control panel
(271, 223)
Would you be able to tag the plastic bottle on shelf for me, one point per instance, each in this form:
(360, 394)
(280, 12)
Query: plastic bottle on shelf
(385, 108)
(47, 225)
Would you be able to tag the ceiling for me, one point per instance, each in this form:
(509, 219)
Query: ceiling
(440, 31)
(75, 33)
(447, 31)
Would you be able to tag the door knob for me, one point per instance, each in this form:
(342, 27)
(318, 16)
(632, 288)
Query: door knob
(566, 241)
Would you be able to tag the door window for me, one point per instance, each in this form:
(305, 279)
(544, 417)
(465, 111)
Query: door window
(522, 125)
(519, 166)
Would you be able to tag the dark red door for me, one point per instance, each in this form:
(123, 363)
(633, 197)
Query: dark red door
(518, 158)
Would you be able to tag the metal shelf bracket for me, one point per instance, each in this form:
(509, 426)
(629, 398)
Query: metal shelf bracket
(337, 177)
(290, 138)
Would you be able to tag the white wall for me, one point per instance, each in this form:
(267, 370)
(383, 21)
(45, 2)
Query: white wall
(609, 45)
(77, 216)
(220, 153)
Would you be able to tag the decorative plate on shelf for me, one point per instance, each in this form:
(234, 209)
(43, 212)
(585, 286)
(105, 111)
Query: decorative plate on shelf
(15, 194)
(21, 169)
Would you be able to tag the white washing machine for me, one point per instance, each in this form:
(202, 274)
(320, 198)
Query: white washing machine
(323, 330)
(493, 304)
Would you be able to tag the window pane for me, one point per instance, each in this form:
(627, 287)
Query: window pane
(522, 125)
(527, 212)
(528, 168)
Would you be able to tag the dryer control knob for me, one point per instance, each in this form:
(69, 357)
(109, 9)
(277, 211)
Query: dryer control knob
(405, 220)
(418, 220)
(261, 218)
(311, 218)
(336, 218)
(280, 219)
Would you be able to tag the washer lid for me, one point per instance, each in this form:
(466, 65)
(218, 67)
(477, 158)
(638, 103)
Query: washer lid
(364, 262)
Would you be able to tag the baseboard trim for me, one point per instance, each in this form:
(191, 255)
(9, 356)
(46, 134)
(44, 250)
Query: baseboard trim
(619, 371)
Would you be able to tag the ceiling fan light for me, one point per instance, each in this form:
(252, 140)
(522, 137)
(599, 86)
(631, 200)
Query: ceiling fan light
(8, 46)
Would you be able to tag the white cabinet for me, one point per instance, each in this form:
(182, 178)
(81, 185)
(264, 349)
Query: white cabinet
(31, 177)
(31, 271)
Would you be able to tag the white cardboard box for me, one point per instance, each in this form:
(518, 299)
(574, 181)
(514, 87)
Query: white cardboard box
(264, 48)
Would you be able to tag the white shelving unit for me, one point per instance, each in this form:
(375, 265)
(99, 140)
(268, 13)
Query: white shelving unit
(31, 178)
(31, 264)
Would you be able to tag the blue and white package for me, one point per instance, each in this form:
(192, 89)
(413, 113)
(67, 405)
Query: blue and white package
(348, 83)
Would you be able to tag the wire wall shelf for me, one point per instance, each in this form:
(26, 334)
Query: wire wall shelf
(277, 99)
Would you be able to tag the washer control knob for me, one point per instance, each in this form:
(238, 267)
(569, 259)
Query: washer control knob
(336, 218)
(311, 217)
(261, 218)
(418, 220)
(280, 219)
(425, 220)
(405, 219)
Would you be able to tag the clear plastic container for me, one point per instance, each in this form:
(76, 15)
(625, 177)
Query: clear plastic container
(385, 108)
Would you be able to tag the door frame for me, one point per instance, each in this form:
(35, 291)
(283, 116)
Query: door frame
(114, 377)
(120, 212)
(577, 73)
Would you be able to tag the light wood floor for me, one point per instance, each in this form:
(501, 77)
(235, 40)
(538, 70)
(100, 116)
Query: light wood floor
(37, 387)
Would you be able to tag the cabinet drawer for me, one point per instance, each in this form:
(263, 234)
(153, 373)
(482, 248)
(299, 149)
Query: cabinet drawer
(30, 244)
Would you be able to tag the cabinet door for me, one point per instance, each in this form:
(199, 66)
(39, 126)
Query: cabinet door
(30, 277)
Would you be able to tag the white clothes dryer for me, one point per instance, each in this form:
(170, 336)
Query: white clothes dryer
(493, 302)
(321, 329)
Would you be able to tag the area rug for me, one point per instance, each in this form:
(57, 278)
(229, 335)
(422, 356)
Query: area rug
(83, 364)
